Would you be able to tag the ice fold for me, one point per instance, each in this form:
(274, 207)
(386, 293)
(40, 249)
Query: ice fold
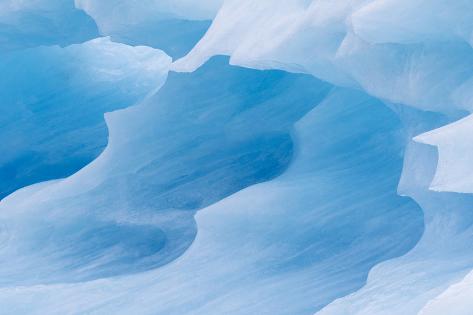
(273, 247)
(441, 257)
(292, 221)
(328, 40)
(53, 100)
(455, 300)
(200, 138)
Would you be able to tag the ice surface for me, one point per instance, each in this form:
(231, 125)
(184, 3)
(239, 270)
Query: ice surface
(455, 300)
(29, 23)
(178, 151)
(274, 246)
(137, 11)
(296, 163)
(454, 171)
(404, 285)
(53, 101)
(327, 39)
(415, 21)
(171, 25)
(415, 53)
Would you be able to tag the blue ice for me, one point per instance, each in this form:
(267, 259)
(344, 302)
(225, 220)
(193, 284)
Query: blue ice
(236, 157)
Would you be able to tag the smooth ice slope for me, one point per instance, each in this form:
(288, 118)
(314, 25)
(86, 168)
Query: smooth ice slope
(454, 171)
(327, 39)
(288, 246)
(53, 100)
(327, 233)
(134, 11)
(442, 256)
(414, 53)
(455, 300)
(29, 23)
(174, 26)
(202, 137)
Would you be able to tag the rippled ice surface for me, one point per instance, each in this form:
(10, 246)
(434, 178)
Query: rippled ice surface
(235, 157)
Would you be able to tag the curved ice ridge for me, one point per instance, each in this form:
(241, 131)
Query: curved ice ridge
(416, 53)
(132, 209)
(253, 244)
(298, 244)
(53, 101)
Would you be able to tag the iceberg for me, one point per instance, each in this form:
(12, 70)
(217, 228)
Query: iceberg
(236, 157)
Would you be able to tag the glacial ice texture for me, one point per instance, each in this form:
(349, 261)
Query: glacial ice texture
(236, 157)
(53, 101)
